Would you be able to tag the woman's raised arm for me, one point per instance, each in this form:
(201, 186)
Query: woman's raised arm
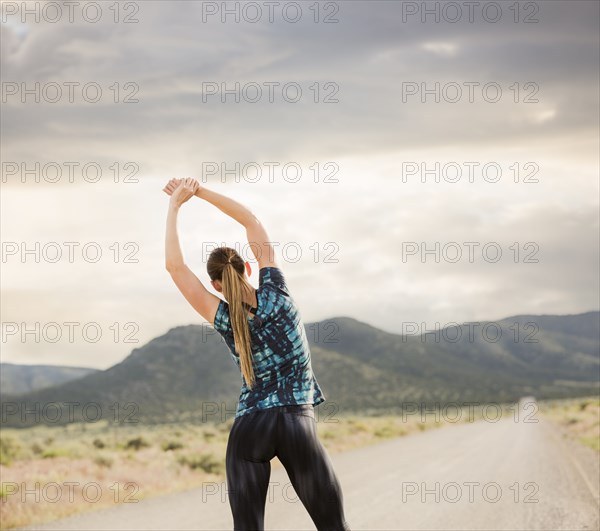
(204, 302)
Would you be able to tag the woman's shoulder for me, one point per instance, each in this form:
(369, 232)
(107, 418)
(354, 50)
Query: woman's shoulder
(272, 275)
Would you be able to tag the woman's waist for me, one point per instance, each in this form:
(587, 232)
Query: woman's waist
(291, 408)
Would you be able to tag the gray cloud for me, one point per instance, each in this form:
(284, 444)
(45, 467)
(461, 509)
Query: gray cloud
(370, 133)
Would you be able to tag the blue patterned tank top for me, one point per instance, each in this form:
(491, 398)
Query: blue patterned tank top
(280, 351)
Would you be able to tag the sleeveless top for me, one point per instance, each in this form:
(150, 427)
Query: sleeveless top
(280, 351)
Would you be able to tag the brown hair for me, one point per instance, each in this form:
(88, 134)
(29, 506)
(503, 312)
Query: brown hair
(227, 266)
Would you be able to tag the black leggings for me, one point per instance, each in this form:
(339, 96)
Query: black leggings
(290, 433)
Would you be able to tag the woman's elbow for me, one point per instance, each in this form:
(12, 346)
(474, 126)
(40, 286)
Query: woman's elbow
(173, 266)
(251, 220)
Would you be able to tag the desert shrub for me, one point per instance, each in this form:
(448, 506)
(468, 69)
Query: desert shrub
(209, 435)
(357, 426)
(171, 445)
(9, 450)
(36, 448)
(137, 443)
(99, 443)
(385, 431)
(593, 442)
(104, 461)
(206, 462)
(49, 453)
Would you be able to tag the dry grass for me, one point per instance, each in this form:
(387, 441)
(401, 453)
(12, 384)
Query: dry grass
(52, 472)
(580, 417)
(100, 466)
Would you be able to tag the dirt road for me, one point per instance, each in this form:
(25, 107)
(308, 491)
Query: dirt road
(503, 475)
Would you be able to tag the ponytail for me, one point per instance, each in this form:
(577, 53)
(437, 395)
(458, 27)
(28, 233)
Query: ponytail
(233, 288)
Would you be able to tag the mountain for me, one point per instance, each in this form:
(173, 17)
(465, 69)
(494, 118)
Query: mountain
(19, 379)
(188, 372)
(548, 356)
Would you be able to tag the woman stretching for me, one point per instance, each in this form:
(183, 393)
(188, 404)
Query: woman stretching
(267, 341)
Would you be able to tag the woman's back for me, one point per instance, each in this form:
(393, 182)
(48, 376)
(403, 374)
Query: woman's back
(280, 349)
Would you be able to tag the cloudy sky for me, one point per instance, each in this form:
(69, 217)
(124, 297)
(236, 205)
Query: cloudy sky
(412, 167)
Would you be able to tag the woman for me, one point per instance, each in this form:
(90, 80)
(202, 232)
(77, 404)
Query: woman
(266, 338)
